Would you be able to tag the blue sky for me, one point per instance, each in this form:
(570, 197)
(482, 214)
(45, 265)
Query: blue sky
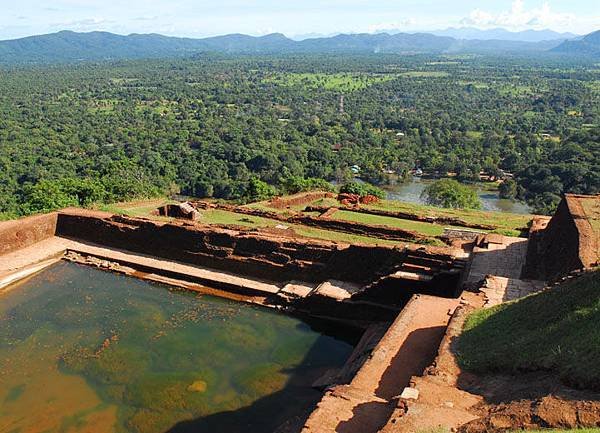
(198, 18)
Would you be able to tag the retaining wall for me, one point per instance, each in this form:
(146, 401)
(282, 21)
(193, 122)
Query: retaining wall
(259, 255)
(24, 232)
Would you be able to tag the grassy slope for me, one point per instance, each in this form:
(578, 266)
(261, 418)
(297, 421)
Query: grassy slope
(556, 330)
(231, 218)
(507, 223)
(424, 228)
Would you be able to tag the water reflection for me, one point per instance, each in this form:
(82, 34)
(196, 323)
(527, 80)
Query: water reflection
(82, 350)
(410, 191)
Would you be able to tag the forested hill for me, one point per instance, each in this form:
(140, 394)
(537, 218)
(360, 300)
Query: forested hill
(588, 45)
(67, 46)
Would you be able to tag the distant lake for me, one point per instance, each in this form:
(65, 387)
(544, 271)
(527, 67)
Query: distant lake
(410, 191)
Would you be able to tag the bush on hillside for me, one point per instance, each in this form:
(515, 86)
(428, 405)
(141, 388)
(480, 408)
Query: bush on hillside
(362, 189)
(296, 184)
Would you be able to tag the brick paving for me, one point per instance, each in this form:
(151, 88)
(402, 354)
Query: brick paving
(496, 267)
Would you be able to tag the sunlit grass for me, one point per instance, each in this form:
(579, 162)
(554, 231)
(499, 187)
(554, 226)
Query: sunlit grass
(555, 330)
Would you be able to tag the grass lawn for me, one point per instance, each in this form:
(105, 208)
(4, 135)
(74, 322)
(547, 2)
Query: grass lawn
(556, 330)
(424, 74)
(142, 208)
(507, 223)
(345, 82)
(217, 216)
(417, 226)
(222, 217)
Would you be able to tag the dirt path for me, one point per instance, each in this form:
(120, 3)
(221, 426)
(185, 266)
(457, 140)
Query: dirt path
(407, 348)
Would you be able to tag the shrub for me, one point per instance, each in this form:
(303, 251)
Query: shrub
(362, 189)
(449, 193)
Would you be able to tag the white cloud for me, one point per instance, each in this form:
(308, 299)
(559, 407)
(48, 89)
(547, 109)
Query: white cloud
(519, 17)
(147, 18)
(85, 23)
(394, 25)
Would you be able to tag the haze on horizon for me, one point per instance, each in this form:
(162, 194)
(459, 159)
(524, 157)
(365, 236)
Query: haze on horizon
(201, 18)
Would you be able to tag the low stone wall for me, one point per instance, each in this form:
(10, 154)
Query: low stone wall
(299, 199)
(566, 244)
(255, 254)
(24, 232)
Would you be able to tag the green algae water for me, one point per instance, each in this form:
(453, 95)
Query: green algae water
(83, 350)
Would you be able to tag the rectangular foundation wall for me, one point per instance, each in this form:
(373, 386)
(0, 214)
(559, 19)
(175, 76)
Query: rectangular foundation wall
(275, 258)
(22, 233)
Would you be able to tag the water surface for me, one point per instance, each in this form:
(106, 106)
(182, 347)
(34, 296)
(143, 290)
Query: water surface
(410, 191)
(83, 350)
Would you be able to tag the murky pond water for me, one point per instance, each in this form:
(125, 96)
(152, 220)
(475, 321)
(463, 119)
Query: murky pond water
(83, 350)
(411, 190)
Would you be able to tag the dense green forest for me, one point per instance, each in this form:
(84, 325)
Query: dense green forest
(247, 127)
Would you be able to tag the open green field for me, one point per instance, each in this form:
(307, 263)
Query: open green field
(344, 82)
(508, 224)
(424, 74)
(222, 217)
(555, 330)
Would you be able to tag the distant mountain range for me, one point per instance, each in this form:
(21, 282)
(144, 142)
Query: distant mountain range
(68, 46)
(588, 45)
(503, 34)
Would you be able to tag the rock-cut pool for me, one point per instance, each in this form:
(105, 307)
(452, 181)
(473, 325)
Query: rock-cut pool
(83, 350)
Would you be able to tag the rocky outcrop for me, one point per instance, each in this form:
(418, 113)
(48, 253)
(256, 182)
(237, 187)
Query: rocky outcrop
(546, 412)
(181, 210)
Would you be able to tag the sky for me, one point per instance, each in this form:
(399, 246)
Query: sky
(201, 18)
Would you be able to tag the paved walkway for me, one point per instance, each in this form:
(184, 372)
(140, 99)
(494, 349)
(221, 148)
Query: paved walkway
(501, 289)
(18, 264)
(41, 251)
(502, 256)
(496, 269)
(407, 348)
